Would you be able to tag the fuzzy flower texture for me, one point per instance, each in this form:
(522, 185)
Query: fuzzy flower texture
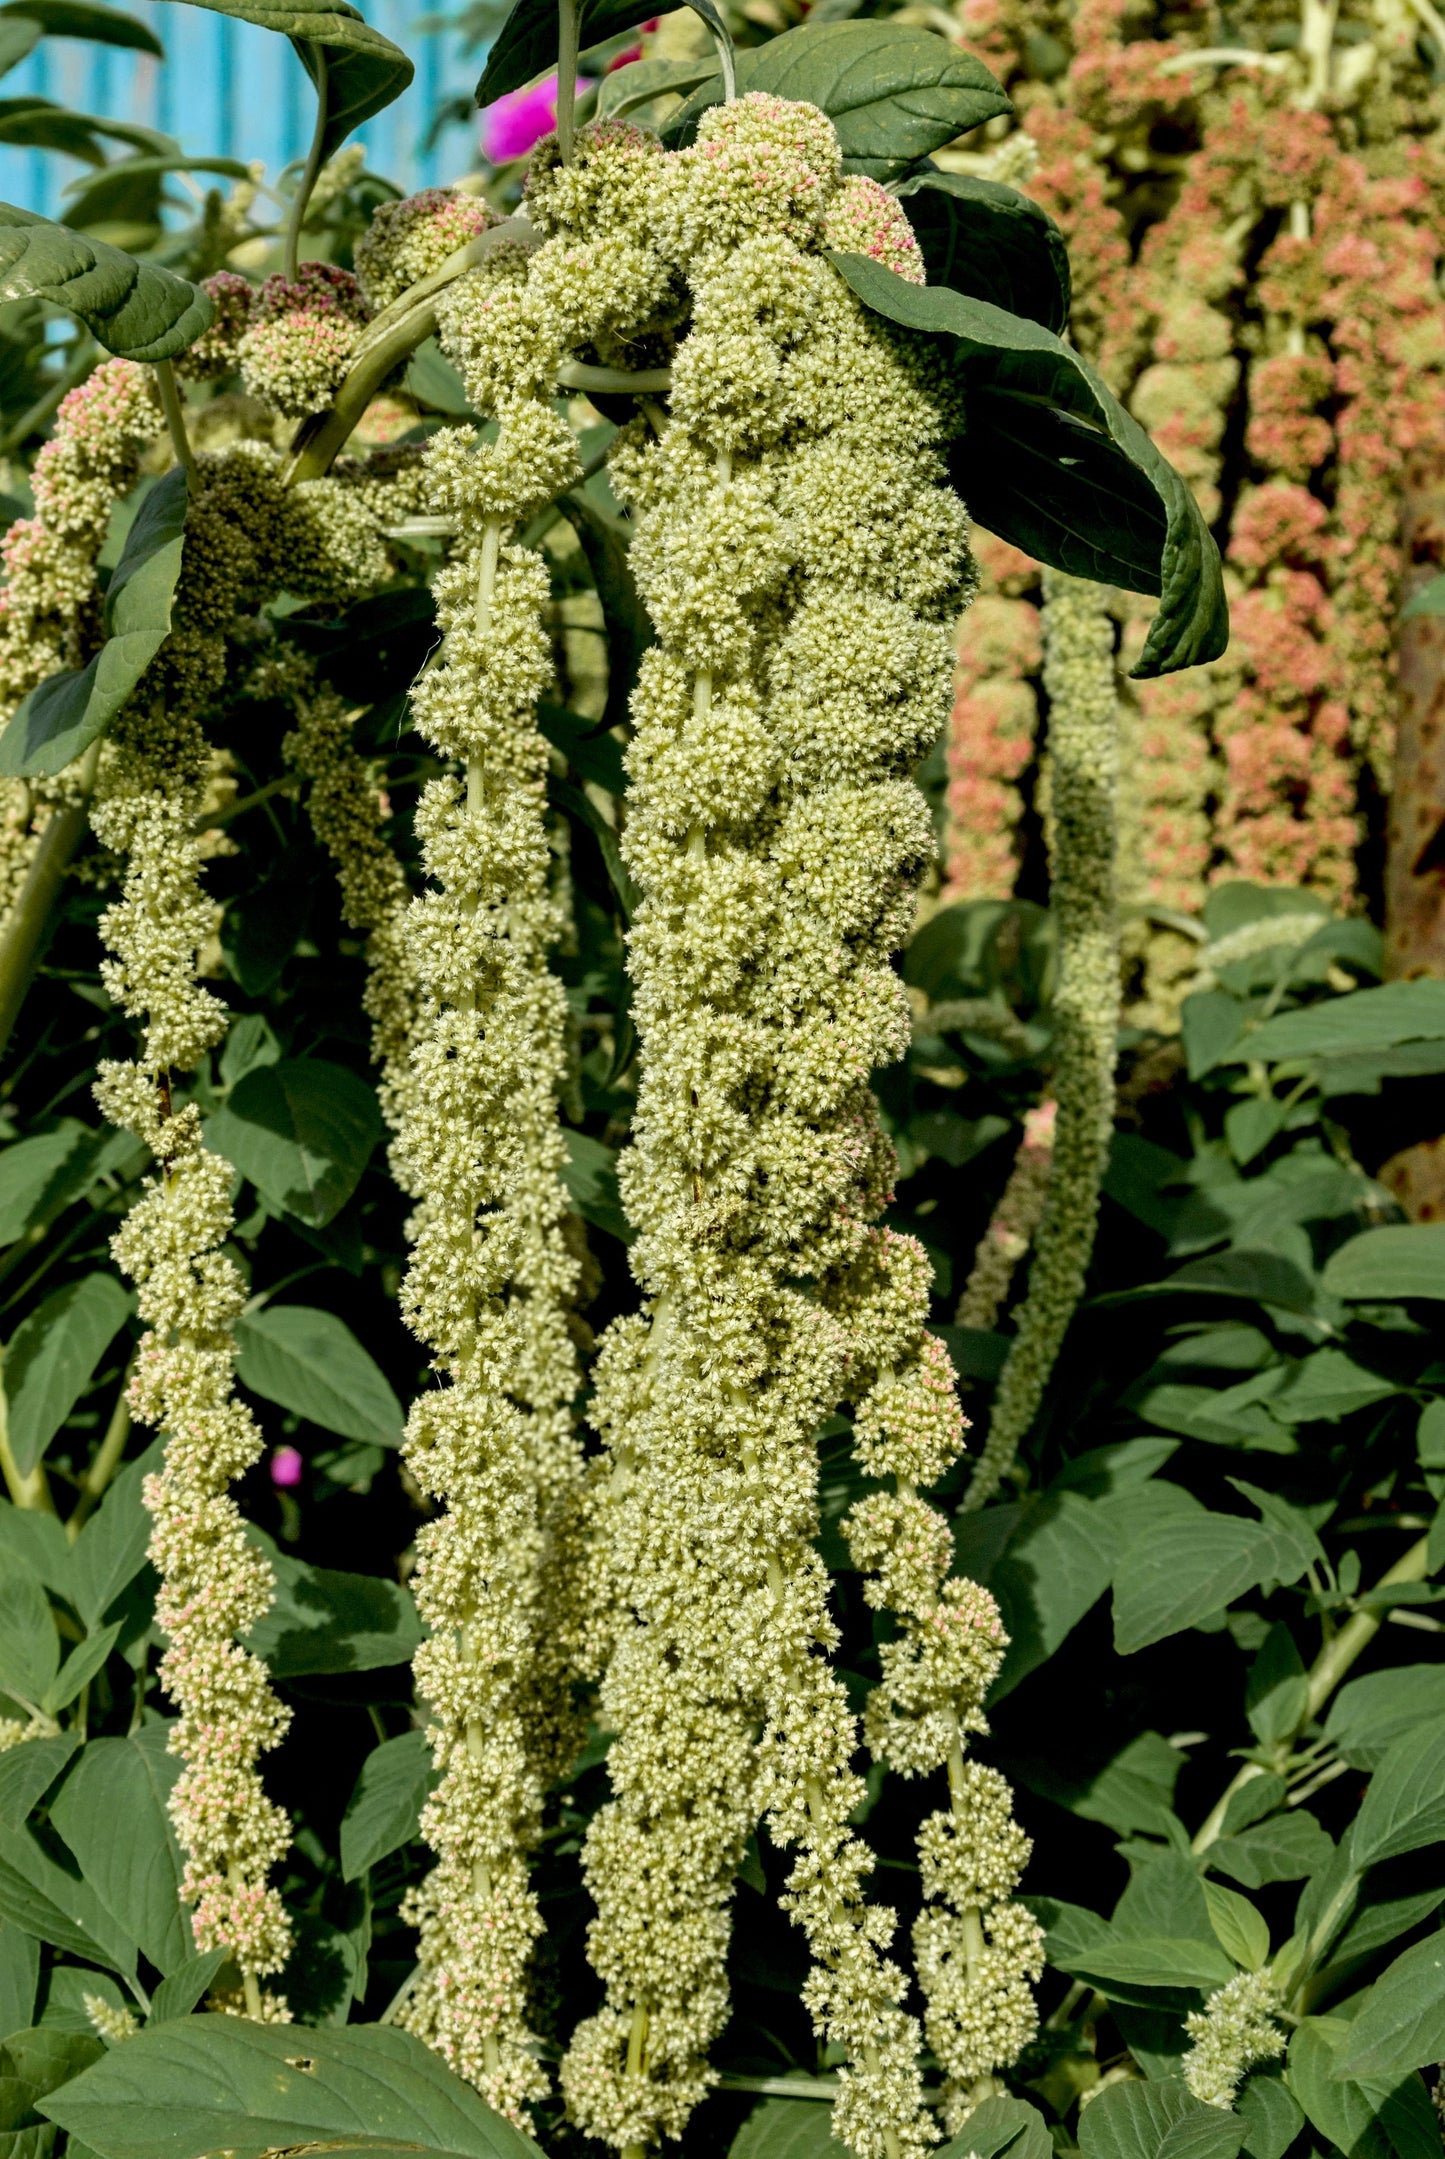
(801, 557)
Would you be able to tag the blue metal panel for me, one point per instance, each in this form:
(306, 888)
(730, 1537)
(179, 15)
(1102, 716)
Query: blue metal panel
(230, 89)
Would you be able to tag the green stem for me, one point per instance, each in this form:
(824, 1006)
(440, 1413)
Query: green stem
(175, 414)
(27, 1488)
(581, 375)
(314, 158)
(286, 784)
(320, 440)
(566, 77)
(35, 416)
(1328, 1669)
(516, 231)
(30, 918)
(107, 1458)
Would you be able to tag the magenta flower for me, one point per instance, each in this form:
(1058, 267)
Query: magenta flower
(286, 1468)
(517, 122)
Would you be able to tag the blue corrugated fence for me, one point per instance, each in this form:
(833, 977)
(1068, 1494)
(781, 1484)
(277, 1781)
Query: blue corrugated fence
(229, 89)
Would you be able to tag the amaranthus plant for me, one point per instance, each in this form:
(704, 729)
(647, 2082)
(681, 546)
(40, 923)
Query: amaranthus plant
(524, 1625)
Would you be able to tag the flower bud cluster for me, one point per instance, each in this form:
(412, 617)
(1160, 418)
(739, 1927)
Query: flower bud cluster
(1235, 2030)
(1079, 676)
(300, 337)
(407, 240)
(494, 1271)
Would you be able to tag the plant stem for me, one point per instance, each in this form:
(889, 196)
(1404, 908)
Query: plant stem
(286, 784)
(566, 77)
(515, 231)
(30, 917)
(174, 411)
(1328, 1669)
(320, 440)
(314, 157)
(107, 1458)
(581, 375)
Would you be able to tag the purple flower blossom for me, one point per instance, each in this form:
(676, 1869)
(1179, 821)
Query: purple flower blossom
(516, 123)
(286, 1468)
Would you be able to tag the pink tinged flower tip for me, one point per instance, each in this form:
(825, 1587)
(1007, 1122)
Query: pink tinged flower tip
(286, 1468)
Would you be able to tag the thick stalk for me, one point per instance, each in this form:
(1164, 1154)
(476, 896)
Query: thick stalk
(581, 375)
(518, 231)
(30, 918)
(566, 77)
(320, 441)
(314, 158)
(175, 414)
(107, 1459)
(1328, 1669)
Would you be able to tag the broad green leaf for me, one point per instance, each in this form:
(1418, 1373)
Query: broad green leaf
(80, 1667)
(894, 92)
(208, 2083)
(111, 1549)
(385, 1808)
(1052, 462)
(1164, 1897)
(526, 45)
(1056, 1568)
(311, 1362)
(991, 242)
(27, 1773)
(47, 1902)
(1381, 1918)
(1271, 2116)
(111, 1811)
(1369, 1714)
(1135, 1791)
(1157, 1963)
(35, 1544)
(1404, 1808)
(66, 713)
(1186, 1570)
(29, 1644)
(1401, 2025)
(626, 88)
(52, 1358)
(1404, 1259)
(137, 310)
(44, 2059)
(42, 125)
(1240, 1930)
(1374, 1019)
(789, 2129)
(180, 1990)
(590, 1175)
(19, 37)
(19, 1976)
(1283, 1849)
(85, 19)
(39, 1176)
(303, 1131)
(1372, 2115)
(1155, 2120)
(997, 2126)
(324, 1620)
(357, 71)
(1277, 1695)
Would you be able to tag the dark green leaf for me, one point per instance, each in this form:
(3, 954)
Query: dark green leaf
(1368, 2116)
(1404, 1808)
(894, 92)
(1241, 1931)
(42, 1898)
(991, 242)
(1402, 1260)
(383, 1811)
(29, 1644)
(303, 1131)
(1157, 1963)
(1276, 1698)
(1187, 1570)
(35, 1172)
(202, 2084)
(788, 2129)
(312, 1363)
(1375, 1019)
(997, 2126)
(111, 1549)
(356, 70)
(590, 1175)
(589, 749)
(53, 1356)
(27, 1773)
(43, 2059)
(85, 19)
(135, 309)
(1157, 2120)
(80, 1667)
(1052, 462)
(1057, 1567)
(324, 1620)
(1369, 1714)
(180, 1990)
(1283, 1849)
(1135, 1791)
(69, 710)
(526, 44)
(19, 1976)
(1271, 2116)
(111, 1811)
(19, 36)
